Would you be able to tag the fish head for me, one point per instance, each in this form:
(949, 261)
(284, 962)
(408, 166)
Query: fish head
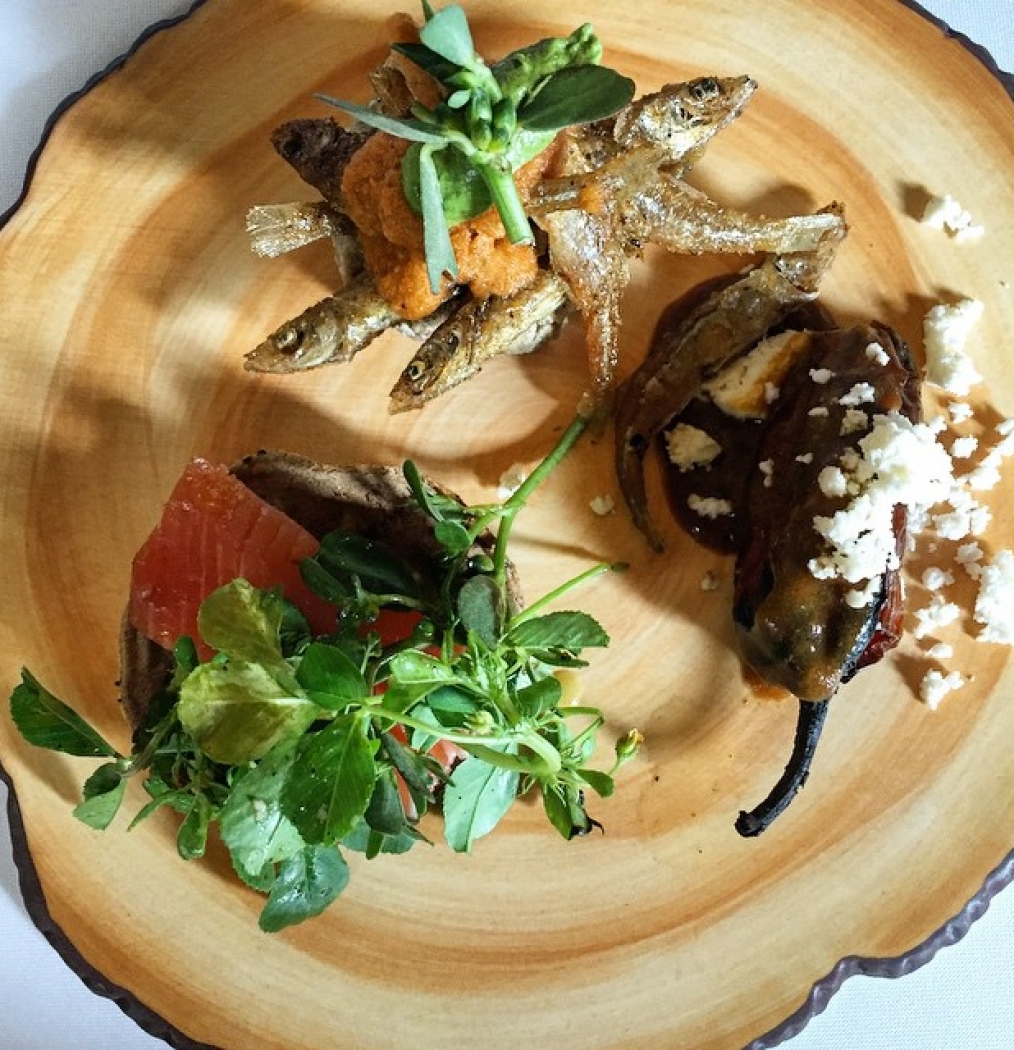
(682, 118)
(419, 382)
(304, 342)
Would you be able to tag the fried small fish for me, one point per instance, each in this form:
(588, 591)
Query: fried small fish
(276, 229)
(479, 331)
(329, 332)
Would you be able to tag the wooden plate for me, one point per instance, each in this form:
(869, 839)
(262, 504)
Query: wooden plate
(130, 297)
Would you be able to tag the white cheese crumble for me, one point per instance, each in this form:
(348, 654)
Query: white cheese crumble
(709, 506)
(877, 354)
(994, 604)
(935, 579)
(805, 458)
(946, 329)
(818, 411)
(821, 375)
(940, 651)
(961, 412)
(860, 394)
(690, 447)
(898, 462)
(935, 685)
(968, 556)
(854, 420)
(767, 468)
(945, 213)
(602, 505)
(939, 613)
(963, 447)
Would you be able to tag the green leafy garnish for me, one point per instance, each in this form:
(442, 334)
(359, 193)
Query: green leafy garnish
(490, 122)
(299, 747)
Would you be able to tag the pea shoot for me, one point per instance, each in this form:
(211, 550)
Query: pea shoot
(490, 122)
(300, 747)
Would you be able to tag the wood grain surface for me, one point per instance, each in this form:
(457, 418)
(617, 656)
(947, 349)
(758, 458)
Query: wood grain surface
(130, 296)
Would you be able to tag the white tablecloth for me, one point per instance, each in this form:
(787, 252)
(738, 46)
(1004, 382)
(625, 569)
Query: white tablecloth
(962, 1000)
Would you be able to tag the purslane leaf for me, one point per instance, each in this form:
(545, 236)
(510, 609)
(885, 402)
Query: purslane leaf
(305, 885)
(45, 721)
(447, 34)
(436, 236)
(576, 95)
(403, 129)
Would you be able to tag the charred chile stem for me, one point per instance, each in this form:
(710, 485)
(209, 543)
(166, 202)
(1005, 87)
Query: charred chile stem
(808, 727)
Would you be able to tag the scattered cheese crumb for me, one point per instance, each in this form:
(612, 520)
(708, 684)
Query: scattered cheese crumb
(968, 557)
(821, 375)
(877, 354)
(994, 604)
(602, 505)
(945, 213)
(939, 613)
(946, 328)
(961, 412)
(858, 599)
(709, 506)
(690, 447)
(806, 457)
(771, 393)
(818, 411)
(935, 685)
(854, 420)
(833, 481)
(860, 394)
(963, 447)
(934, 579)
(511, 480)
(767, 468)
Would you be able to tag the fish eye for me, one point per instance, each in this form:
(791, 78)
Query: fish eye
(414, 371)
(289, 340)
(705, 89)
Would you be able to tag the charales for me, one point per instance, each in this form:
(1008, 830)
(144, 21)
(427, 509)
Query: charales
(473, 180)
(383, 664)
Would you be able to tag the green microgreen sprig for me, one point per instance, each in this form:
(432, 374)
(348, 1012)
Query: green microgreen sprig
(490, 121)
(299, 747)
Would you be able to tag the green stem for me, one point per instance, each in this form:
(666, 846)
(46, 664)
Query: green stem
(504, 192)
(558, 592)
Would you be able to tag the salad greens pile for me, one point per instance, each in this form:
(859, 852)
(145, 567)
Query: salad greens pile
(297, 747)
(490, 121)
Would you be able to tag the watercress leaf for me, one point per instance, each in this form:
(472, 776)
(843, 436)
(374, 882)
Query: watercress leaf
(243, 621)
(236, 712)
(475, 800)
(436, 504)
(305, 885)
(601, 783)
(576, 95)
(363, 839)
(378, 569)
(413, 667)
(453, 537)
(447, 33)
(557, 811)
(103, 793)
(294, 631)
(385, 812)
(324, 584)
(192, 837)
(570, 631)
(47, 722)
(413, 130)
(425, 58)
(539, 697)
(402, 696)
(253, 827)
(436, 236)
(413, 769)
(481, 607)
(330, 678)
(331, 781)
(451, 706)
